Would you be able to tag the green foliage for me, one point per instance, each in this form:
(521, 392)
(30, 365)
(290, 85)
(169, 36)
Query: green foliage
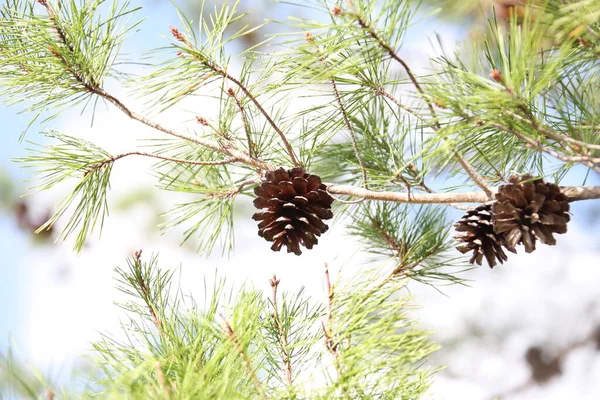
(545, 86)
(52, 60)
(417, 240)
(17, 379)
(384, 368)
(242, 346)
(7, 190)
(73, 157)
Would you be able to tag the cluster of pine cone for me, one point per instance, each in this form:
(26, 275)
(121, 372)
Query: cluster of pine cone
(525, 210)
(294, 203)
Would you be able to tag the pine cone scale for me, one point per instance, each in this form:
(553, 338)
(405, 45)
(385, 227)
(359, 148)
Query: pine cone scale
(287, 189)
(476, 231)
(536, 208)
(300, 185)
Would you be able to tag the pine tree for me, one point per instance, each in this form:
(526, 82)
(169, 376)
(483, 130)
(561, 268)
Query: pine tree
(384, 148)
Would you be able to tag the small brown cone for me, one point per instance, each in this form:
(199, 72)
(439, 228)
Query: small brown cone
(527, 210)
(476, 231)
(293, 206)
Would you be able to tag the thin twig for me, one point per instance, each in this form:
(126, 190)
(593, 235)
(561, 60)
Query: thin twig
(230, 151)
(239, 84)
(381, 92)
(328, 325)
(589, 162)
(553, 135)
(179, 36)
(282, 335)
(573, 193)
(146, 295)
(152, 155)
(57, 28)
(177, 160)
(359, 156)
(399, 249)
(473, 174)
(240, 106)
(232, 335)
(228, 194)
(392, 53)
(97, 90)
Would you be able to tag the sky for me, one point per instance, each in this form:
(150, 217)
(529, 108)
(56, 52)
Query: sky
(54, 302)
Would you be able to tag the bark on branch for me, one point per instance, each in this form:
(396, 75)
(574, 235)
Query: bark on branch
(573, 193)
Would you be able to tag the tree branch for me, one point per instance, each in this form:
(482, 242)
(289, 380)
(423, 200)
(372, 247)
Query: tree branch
(232, 335)
(382, 92)
(282, 335)
(392, 53)
(359, 156)
(230, 151)
(145, 291)
(158, 156)
(179, 36)
(589, 162)
(473, 174)
(331, 345)
(573, 193)
(286, 143)
(553, 135)
(240, 106)
(98, 90)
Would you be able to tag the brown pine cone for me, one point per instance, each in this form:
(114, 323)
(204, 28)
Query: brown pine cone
(293, 206)
(476, 231)
(527, 211)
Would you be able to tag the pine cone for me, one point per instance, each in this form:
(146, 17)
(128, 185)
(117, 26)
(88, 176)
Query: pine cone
(294, 205)
(524, 212)
(475, 229)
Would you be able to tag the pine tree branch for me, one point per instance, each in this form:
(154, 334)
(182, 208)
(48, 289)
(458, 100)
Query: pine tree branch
(94, 88)
(330, 343)
(232, 335)
(392, 53)
(590, 162)
(228, 150)
(158, 156)
(464, 163)
(573, 193)
(239, 84)
(145, 294)
(240, 106)
(57, 28)
(359, 156)
(282, 335)
(547, 132)
(381, 92)
(218, 70)
(473, 174)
